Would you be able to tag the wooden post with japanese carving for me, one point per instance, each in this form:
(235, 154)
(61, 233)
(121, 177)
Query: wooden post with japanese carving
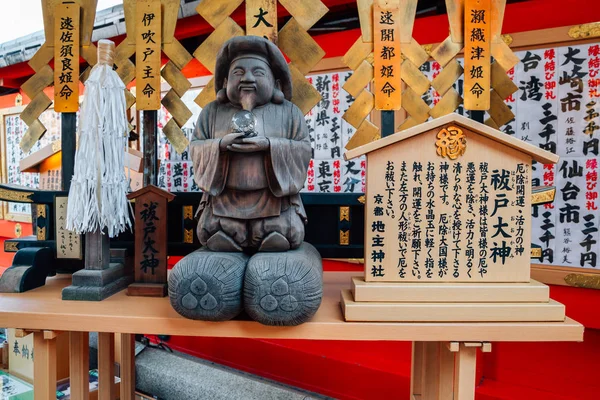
(148, 37)
(150, 267)
(477, 54)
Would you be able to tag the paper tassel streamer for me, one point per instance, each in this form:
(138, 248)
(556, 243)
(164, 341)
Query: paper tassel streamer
(98, 194)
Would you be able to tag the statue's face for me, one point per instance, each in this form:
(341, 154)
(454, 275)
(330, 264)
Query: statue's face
(250, 83)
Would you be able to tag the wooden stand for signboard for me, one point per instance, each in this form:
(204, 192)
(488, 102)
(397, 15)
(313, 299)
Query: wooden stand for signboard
(150, 268)
(447, 242)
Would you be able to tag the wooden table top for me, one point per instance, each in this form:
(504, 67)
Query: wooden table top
(43, 308)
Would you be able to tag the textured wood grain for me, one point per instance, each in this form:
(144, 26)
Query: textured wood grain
(148, 54)
(44, 367)
(66, 58)
(299, 46)
(124, 314)
(357, 53)
(387, 87)
(79, 361)
(206, 53)
(477, 55)
(306, 12)
(106, 366)
(531, 292)
(261, 19)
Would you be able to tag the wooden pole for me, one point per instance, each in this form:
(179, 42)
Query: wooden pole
(79, 364)
(387, 123)
(149, 121)
(68, 142)
(477, 115)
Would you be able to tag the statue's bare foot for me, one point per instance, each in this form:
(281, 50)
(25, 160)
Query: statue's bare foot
(207, 285)
(274, 241)
(220, 241)
(284, 288)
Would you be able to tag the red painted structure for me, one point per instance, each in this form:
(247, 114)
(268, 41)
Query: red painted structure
(380, 370)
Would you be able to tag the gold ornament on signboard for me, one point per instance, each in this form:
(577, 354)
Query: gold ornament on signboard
(451, 142)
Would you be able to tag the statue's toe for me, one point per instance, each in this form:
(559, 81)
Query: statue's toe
(220, 241)
(274, 241)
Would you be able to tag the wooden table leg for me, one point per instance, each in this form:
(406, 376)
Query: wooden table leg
(106, 366)
(431, 371)
(446, 373)
(79, 365)
(464, 373)
(127, 366)
(417, 369)
(44, 367)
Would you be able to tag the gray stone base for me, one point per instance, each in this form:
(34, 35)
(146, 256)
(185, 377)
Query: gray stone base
(97, 285)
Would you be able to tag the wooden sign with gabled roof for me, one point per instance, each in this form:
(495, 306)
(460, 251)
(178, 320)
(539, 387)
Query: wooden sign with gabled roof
(449, 201)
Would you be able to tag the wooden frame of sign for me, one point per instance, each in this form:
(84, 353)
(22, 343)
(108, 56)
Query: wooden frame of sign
(447, 227)
(4, 209)
(150, 267)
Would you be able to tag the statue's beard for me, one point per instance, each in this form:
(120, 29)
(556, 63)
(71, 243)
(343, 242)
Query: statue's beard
(248, 99)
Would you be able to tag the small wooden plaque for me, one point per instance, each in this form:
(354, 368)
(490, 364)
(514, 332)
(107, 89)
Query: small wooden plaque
(150, 268)
(477, 54)
(387, 59)
(148, 54)
(66, 58)
(261, 19)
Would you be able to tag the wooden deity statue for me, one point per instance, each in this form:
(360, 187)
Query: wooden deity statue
(251, 153)
(251, 175)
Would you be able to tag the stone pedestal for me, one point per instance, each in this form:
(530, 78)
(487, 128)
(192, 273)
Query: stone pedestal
(97, 284)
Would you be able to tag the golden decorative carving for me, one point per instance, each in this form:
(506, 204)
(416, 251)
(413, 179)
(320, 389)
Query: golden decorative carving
(19, 100)
(585, 30)
(11, 247)
(344, 238)
(507, 39)
(188, 212)
(13, 195)
(361, 199)
(536, 252)
(18, 230)
(41, 209)
(451, 142)
(428, 48)
(542, 197)
(583, 281)
(40, 233)
(188, 236)
(345, 213)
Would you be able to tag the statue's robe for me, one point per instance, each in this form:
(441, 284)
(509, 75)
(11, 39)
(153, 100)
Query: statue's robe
(249, 195)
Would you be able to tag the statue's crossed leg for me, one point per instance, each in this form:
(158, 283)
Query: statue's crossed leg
(274, 288)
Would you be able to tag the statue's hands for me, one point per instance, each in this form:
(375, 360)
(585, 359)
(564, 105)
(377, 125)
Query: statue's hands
(250, 145)
(229, 139)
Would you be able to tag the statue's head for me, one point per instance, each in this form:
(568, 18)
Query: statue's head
(251, 72)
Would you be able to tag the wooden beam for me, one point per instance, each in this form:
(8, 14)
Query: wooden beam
(44, 367)
(106, 366)
(79, 364)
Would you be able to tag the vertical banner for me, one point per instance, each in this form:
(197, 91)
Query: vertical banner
(387, 60)
(261, 19)
(477, 54)
(147, 58)
(66, 58)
